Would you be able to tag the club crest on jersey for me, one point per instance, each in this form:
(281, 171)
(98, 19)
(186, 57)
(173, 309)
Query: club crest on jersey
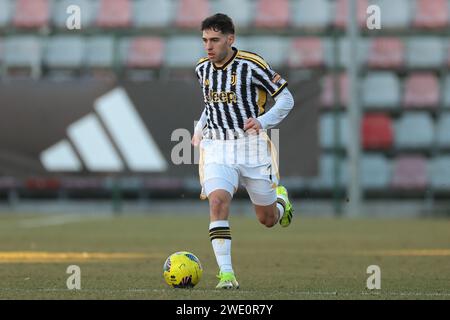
(233, 79)
(206, 83)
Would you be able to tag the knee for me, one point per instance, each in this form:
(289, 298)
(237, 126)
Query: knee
(218, 206)
(268, 221)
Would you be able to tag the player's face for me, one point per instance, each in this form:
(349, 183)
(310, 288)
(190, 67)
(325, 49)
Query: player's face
(217, 45)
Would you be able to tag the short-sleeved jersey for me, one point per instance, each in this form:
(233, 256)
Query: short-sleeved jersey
(236, 92)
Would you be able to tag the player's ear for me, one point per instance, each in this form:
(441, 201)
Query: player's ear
(230, 39)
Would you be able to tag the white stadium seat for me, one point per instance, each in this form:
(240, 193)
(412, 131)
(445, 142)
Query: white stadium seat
(311, 14)
(65, 52)
(440, 172)
(241, 11)
(100, 52)
(394, 14)
(414, 130)
(190, 46)
(153, 13)
(443, 130)
(381, 90)
(327, 130)
(425, 52)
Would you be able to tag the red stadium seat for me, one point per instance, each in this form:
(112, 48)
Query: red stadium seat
(31, 14)
(145, 52)
(421, 90)
(377, 131)
(190, 13)
(272, 14)
(410, 172)
(342, 9)
(386, 53)
(114, 14)
(431, 14)
(42, 183)
(327, 97)
(306, 53)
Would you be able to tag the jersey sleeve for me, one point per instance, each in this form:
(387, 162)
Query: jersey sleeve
(264, 76)
(199, 75)
(199, 70)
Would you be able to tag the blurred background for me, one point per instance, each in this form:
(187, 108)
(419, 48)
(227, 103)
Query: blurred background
(88, 116)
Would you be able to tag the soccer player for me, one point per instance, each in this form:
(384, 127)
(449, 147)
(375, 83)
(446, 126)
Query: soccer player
(231, 134)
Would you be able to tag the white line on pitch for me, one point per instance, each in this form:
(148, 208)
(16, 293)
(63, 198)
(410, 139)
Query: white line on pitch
(56, 220)
(328, 293)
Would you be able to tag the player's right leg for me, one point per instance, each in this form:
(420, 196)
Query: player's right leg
(219, 186)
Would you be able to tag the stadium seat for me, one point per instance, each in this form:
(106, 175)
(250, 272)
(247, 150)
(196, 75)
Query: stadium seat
(152, 13)
(100, 52)
(306, 53)
(311, 14)
(386, 53)
(410, 172)
(327, 135)
(446, 92)
(5, 13)
(31, 14)
(381, 90)
(431, 14)
(190, 13)
(272, 14)
(240, 11)
(414, 131)
(114, 14)
(425, 52)
(421, 91)
(65, 52)
(88, 11)
(190, 46)
(42, 183)
(273, 49)
(327, 96)
(344, 52)
(440, 172)
(375, 172)
(341, 12)
(447, 48)
(23, 52)
(394, 14)
(145, 52)
(377, 131)
(81, 183)
(325, 179)
(443, 130)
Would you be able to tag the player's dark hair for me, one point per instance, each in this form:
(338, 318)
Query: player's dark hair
(219, 22)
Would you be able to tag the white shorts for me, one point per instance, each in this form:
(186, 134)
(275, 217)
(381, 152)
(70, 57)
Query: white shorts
(226, 164)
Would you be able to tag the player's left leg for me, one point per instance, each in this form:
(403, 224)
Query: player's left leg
(271, 204)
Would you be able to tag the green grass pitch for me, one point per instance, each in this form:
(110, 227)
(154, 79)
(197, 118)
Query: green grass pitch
(315, 258)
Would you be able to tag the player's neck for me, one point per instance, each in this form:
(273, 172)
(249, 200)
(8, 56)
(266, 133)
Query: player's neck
(227, 58)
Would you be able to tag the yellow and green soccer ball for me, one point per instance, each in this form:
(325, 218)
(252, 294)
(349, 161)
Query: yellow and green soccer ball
(182, 270)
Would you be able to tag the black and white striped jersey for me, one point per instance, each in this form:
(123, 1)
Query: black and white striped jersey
(235, 92)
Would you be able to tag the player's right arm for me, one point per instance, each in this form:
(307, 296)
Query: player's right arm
(198, 129)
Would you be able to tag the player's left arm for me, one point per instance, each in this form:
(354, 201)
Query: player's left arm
(276, 86)
(284, 102)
